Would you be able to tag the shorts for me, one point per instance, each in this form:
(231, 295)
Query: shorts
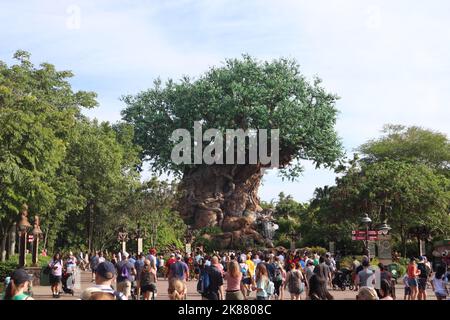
(407, 291)
(125, 288)
(150, 287)
(54, 280)
(440, 295)
(234, 295)
(422, 284)
(412, 282)
(247, 281)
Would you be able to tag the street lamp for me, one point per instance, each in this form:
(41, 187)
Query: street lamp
(37, 233)
(366, 221)
(138, 235)
(384, 228)
(123, 238)
(23, 227)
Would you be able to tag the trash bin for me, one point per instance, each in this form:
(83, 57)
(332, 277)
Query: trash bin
(44, 278)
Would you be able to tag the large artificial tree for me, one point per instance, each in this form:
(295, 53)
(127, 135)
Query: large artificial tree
(242, 94)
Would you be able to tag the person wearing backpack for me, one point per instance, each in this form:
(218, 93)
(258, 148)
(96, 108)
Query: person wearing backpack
(279, 279)
(294, 282)
(263, 285)
(148, 279)
(423, 278)
(210, 283)
(246, 276)
(233, 277)
(125, 273)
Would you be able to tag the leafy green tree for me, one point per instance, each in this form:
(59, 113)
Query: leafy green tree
(37, 111)
(410, 144)
(242, 94)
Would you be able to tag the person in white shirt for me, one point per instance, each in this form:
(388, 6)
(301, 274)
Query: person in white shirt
(439, 284)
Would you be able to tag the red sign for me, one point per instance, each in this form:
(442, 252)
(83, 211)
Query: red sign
(363, 232)
(30, 238)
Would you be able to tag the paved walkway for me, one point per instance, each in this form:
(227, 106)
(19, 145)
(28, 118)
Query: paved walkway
(44, 293)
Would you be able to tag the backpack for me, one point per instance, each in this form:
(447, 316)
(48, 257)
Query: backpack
(203, 283)
(423, 270)
(278, 275)
(270, 288)
(124, 273)
(294, 280)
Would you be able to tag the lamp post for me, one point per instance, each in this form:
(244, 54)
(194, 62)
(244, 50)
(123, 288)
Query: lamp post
(123, 238)
(138, 235)
(366, 221)
(37, 232)
(23, 227)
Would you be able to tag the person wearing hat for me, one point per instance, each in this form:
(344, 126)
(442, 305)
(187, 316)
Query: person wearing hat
(104, 276)
(17, 286)
(424, 275)
(125, 275)
(169, 262)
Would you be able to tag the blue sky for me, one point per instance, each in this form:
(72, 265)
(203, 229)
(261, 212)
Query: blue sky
(389, 61)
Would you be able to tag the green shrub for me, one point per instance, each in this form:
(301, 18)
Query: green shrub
(7, 267)
(319, 250)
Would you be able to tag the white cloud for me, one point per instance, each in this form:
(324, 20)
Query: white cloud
(388, 60)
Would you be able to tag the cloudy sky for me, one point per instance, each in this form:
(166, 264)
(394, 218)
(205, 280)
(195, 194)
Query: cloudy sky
(389, 61)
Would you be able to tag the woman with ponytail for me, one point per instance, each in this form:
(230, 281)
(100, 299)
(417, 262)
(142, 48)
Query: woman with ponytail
(17, 286)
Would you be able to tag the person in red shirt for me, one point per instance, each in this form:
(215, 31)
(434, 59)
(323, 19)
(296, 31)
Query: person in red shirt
(413, 272)
(169, 262)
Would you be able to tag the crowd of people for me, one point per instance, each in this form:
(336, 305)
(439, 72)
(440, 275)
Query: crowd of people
(234, 275)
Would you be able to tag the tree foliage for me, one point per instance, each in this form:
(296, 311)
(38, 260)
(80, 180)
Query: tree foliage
(241, 94)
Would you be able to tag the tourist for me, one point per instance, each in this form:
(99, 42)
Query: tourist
(294, 282)
(385, 290)
(169, 262)
(148, 279)
(323, 272)
(439, 284)
(56, 266)
(102, 290)
(17, 286)
(367, 293)
(425, 272)
(152, 255)
(178, 270)
(413, 273)
(233, 277)
(256, 260)
(177, 290)
(246, 275)
(125, 273)
(215, 262)
(407, 295)
(262, 282)
(355, 265)
(94, 262)
(160, 265)
(280, 279)
(365, 277)
(139, 266)
(214, 291)
(268, 261)
(316, 290)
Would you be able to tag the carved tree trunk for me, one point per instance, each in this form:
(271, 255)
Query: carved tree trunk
(218, 195)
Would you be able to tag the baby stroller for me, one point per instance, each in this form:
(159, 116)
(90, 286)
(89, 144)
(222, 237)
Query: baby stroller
(342, 280)
(68, 281)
